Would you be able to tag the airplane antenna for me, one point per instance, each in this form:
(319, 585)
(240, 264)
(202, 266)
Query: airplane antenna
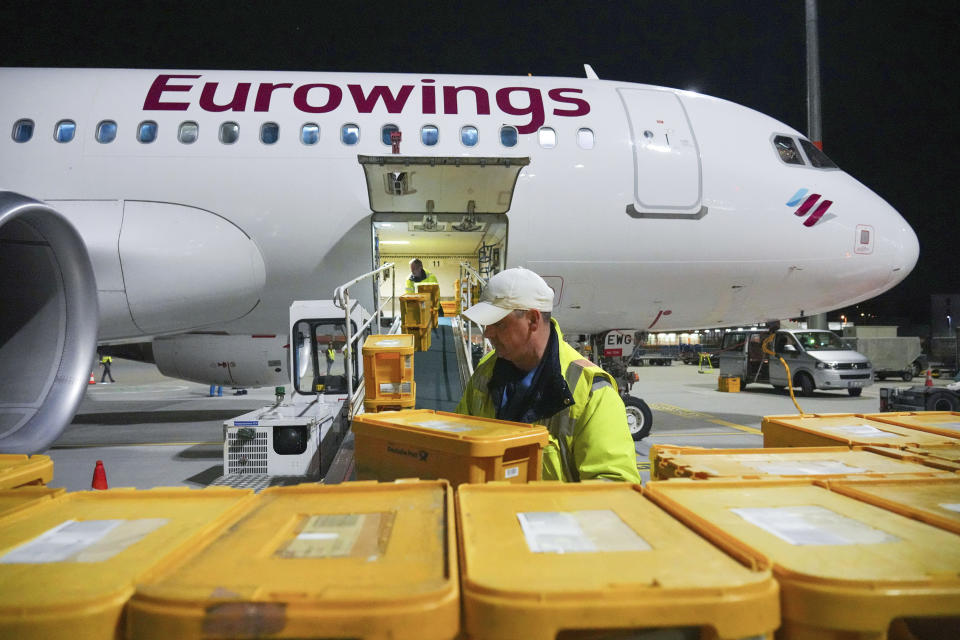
(591, 74)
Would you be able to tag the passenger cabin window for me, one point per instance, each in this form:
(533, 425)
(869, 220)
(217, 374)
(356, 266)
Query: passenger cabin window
(585, 138)
(349, 134)
(816, 157)
(508, 136)
(269, 132)
(106, 131)
(189, 132)
(385, 132)
(310, 133)
(65, 130)
(429, 135)
(787, 150)
(229, 132)
(469, 136)
(22, 130)
(547, 137)
(147, 131)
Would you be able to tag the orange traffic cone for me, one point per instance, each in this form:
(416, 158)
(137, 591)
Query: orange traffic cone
(92, 379)
(929, 381)
(99, 476)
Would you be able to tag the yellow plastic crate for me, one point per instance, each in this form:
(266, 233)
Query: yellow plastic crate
(708, 464)
(435, 444)
(940, 456)
(430, 289)
(941, 423)
(16, 500)
(596, 560)
(729, 384)
(833, 429)
(847, 569)
(19, 470)
(357, 560)
(414, 311)
(935, 501)
(388, 366)
(423, 339)
(67, 568)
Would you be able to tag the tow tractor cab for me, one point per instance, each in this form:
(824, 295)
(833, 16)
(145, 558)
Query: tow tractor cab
(817, 359)
(300, 433)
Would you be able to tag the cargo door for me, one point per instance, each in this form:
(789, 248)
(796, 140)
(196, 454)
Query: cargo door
(667, 175)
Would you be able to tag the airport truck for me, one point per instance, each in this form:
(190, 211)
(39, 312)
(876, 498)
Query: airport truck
(818, 360)
(919, 398)
(890, 354)
(296, 438)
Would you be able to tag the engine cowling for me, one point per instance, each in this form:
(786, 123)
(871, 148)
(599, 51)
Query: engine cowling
(48, 323)
(234, 360)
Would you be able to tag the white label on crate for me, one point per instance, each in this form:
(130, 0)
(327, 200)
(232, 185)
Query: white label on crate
(393, 342)
(82, 541)
(441, 425)
(861, 430)
(951, 506)
(953, 426)
(393, 387)
(511, 472)
(804, 467)
(578, 532)
(813, 525)
(363, 535)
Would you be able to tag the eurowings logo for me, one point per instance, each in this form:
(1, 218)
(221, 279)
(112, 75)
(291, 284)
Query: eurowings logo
(808, 204)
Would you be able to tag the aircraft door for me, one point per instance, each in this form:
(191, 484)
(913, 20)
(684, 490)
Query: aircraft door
(667, 176)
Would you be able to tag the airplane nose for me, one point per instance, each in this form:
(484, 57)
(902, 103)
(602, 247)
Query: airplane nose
(905, 247)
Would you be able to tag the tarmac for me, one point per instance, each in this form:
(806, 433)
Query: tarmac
(153, 431)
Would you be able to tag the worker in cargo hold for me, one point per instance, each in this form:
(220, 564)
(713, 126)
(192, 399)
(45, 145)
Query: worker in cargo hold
(418, 275)
(534, 376)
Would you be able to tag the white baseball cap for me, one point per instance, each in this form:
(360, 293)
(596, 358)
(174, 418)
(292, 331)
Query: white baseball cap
(512, 289)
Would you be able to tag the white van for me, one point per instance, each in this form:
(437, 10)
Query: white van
(818, 360)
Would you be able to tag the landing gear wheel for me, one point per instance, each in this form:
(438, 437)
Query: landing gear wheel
(805, 382)
(639, 417)
(854, 391)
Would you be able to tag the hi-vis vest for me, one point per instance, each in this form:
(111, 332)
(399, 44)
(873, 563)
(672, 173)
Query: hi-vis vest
(428, 278)
(588, 439)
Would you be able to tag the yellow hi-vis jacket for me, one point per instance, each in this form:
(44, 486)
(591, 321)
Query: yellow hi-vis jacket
(428, 278)
(589, 439)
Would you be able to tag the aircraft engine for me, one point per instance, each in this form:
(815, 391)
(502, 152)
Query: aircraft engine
(48, 323)
(233, 360)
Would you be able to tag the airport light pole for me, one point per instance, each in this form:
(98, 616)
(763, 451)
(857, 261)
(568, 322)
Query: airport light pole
(814, 131)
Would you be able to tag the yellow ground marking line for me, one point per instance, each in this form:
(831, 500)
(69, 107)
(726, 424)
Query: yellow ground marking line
(688, 413)
(132, 444)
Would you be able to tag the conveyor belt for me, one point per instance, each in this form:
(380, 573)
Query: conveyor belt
(436, 373)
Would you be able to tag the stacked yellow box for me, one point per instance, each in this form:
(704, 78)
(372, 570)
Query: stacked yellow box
(935, 501)
(833, 429)
(356, 560)
(416, 319)
(388, 373)
(435, 444)
(433, 290)
(728, 383)
(18, 470)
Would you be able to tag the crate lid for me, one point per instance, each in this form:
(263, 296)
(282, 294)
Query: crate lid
(851, 429)
(79, 555)
(603, 546)
(942, 456)
(17, 470)
(796, 461)
(399, 342)
(942, 423)
(810, 533)
(328, 555)
(13, 500)
(467, 434)
(935, 501)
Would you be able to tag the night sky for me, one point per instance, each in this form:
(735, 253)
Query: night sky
(888, 70)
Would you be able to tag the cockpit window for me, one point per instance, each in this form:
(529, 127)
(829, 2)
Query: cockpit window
(787, 149)
(817, 157)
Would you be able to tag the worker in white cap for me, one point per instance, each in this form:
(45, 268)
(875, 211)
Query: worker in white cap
(534, 376)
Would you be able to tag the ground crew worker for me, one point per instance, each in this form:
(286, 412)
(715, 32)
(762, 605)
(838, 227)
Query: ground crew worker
(331, 356)
(105, 362)
(534, 376)
(417, 275)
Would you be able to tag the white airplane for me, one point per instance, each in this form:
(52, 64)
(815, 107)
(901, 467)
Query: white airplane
(189, 208)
